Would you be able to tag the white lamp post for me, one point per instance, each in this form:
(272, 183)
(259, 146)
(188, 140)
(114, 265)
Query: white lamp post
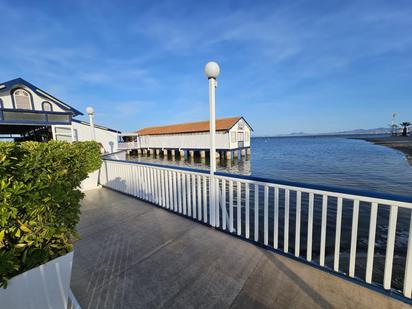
(90, 112)
(212, 71)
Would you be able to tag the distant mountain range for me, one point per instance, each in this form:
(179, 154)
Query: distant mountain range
(351, 132)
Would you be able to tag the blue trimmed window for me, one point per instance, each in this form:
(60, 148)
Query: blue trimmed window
(47, 107)
(22, 99)
(233, 137)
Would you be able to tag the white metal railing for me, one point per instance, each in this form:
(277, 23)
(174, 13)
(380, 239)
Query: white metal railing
(128, 145)
(312, 223)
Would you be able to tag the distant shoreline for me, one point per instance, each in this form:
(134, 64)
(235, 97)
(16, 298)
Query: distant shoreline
(351, 136)
(400, 143)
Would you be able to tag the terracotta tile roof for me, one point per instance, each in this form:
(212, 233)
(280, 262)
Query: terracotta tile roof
(222, 124)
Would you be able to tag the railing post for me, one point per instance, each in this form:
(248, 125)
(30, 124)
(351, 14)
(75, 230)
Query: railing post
(371, 242)
(390, 246)
(337, 234)
(407, 285)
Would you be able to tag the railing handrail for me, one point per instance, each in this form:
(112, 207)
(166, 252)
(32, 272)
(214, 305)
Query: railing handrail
(104, 155)
(179, 168)
(324, 188)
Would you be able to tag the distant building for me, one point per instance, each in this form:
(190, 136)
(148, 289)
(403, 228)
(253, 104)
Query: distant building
(30, 113)
(232, 136)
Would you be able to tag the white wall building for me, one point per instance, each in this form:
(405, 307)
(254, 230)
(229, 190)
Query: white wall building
(232, 134)
(107, 138)
(29, 113)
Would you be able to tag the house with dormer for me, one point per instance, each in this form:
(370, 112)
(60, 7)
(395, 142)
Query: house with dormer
(30, 113)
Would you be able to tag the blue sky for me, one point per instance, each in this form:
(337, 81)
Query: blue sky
(287, 66)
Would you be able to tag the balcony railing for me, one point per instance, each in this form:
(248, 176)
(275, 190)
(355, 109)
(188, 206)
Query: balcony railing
(350, 233)
(128, 145)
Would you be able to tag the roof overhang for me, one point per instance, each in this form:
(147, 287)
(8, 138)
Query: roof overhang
(19, 82)
(20, 117)
(247, 123)
(222, 125)
(18, 129)
(96, 126)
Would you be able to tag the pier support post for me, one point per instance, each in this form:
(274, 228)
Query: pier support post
(235, 154)
(173, 152)
(248, 152)
(191, 153)
(243, 152)
(157, 152)
(165, 152)
(151, 152)
(144, 152)
(228, 155)
(203, 154)
(182, 154)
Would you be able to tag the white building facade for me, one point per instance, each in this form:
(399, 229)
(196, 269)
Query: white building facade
(232, 134)
(81, 131)
(29, 113)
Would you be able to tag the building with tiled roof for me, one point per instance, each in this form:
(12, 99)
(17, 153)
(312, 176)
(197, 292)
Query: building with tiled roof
(232, 134)
(224, 124)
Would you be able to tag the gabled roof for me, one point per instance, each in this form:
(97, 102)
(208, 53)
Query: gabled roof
(96, 126)
(7, 86)
(223, 124)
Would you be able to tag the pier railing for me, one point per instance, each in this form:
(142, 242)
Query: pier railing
(358, 235)
(128, 145)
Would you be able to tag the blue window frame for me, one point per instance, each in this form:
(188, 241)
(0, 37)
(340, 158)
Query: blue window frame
(22, 99)
(47, 107)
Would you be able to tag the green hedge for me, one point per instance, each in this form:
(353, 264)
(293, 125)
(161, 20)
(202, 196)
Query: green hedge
(40, 201)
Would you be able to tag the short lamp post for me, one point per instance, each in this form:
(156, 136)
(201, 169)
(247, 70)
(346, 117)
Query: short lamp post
(212, 71)
(90, 112)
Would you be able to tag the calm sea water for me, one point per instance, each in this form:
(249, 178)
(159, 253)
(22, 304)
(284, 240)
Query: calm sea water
(333, 161)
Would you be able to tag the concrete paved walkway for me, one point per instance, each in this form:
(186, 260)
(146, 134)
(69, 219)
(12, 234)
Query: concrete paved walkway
(135, 255)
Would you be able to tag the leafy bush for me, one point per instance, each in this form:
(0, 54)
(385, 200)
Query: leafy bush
(90, 152)
(40, 201)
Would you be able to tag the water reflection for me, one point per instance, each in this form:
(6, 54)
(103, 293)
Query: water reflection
(237, 166)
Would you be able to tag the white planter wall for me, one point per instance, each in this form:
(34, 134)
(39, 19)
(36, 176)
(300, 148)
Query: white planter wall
(46, 286)
(91, 182)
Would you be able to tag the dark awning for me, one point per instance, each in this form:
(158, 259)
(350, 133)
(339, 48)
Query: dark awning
(17, 129)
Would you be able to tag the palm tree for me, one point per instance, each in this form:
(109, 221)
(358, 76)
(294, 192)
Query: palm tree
(405, 126)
